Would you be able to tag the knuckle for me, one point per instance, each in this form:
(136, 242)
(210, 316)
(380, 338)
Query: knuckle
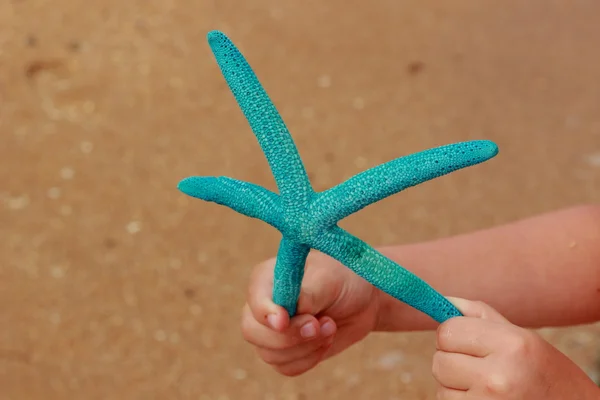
(439, 394)
(442, 332)
(246, 326)
(445, 330)
(443, 393)
(498, 384)
(436, 365)
(479, 304)
(520, 345)
(269, 357)
(480, 308)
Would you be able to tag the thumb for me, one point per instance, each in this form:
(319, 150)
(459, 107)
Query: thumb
(477, 309)
(320, 290)
(260, 300)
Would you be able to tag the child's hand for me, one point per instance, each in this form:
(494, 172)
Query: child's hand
(483, 356)
(336, 308)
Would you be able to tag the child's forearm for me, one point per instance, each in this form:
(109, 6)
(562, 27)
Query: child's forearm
(542, 271)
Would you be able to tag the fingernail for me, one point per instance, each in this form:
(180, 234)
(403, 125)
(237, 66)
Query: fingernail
(308, 330)
(328, 328)
(272, 320)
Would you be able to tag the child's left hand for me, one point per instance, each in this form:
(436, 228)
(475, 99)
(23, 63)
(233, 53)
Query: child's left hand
(484, 356)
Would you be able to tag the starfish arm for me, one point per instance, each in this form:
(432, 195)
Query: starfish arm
(244, 197)
(288, 274)
(264, 119)
(385, 274)
(394, 176)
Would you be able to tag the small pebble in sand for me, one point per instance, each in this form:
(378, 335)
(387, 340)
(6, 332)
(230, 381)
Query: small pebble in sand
(308, 113)
(202, 257)
(17, 203)
(324, 81)
(572, 122)
(54, 193)
(593, 160)
(406, 377)
(415, 67)
(353, 380)
(360, 162)
(134, 227)
(240, 374)
(65, 210)
(67, 173)
(86, 147)
(160, 335)
(358, 103)
(54, 318)
(195, 310)
(390, 360)
(57, 272)
(31, 41)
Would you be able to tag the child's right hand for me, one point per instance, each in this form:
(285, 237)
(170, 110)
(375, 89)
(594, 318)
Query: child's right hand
(336, 309)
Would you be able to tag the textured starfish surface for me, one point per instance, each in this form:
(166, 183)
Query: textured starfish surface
(308, 219)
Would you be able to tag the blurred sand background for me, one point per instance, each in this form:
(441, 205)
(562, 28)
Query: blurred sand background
(113, 285)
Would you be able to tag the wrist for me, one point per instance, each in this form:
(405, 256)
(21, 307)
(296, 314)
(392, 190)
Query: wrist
(388, 313)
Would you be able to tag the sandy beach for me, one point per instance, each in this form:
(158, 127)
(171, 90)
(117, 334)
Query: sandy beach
(114, 285)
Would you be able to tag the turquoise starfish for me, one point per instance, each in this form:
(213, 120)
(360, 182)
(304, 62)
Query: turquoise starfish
(308, 219)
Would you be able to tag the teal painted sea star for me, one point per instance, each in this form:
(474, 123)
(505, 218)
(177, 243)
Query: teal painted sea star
(308, 219)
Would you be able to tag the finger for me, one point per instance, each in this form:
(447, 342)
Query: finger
(456, 371)
(302, 328)
(451, 394)
(260, 298)
(320, 286)
(477, 309)
(302, 365)
(295, 353)
(319, 291)
(472, 336)
(285, 356)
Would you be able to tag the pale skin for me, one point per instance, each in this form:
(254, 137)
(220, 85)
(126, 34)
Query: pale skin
(537, 272)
